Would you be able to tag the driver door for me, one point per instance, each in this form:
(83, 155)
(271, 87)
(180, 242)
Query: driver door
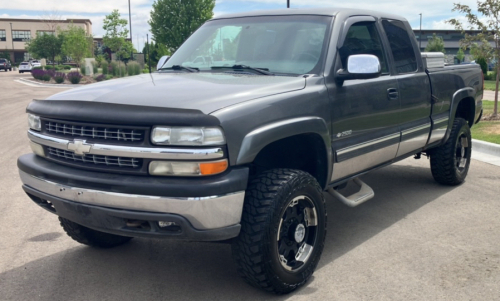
(364, 112)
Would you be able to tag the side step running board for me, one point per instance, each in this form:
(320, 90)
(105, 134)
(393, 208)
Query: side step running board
(364, 194)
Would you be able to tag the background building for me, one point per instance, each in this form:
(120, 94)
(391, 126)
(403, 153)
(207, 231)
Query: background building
(15, 32)
(451, 39)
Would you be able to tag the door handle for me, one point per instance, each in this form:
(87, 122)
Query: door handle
(392, 93)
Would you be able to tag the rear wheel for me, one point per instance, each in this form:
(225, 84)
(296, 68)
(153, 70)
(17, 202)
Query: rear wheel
(283, 230)
(450, 162)
(91, 237)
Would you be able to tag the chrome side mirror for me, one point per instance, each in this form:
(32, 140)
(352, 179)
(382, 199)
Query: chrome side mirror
(360, 66)
(162, 62)
(363, 64)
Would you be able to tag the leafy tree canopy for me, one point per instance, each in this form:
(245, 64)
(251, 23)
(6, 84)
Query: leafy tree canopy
(435, 44)
(46, 46)
(76, 44)
(460, 55)
(116, 35)
(173, 21)
(157, 51)
(487, 21)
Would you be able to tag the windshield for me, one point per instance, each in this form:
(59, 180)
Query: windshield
(281, 44)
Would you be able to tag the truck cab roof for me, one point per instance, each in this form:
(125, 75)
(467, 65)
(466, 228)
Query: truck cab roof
(329, 11)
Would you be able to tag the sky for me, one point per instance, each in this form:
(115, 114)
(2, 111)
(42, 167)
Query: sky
(434, 13)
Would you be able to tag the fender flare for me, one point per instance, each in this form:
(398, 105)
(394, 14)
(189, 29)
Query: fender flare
(259, 138)
(458, 96)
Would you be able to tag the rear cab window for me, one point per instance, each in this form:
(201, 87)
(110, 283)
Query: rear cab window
(403, 53)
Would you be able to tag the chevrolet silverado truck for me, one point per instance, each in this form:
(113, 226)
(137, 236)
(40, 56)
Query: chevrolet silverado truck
(242, 147)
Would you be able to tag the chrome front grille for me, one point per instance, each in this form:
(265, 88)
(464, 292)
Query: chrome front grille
(68, 156)
(94, 132)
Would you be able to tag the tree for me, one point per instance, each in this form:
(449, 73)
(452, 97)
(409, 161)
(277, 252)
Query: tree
(435, 44)
(76, 43)
(173, 21)
(157, 51)
(116, 34)
(487, 21)
(46, 46)
(460, 55)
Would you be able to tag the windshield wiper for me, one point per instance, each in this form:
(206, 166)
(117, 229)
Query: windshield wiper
(264, 71)
(179, 67)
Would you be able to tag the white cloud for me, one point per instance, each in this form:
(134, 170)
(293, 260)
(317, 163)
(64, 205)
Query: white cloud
(434, 12)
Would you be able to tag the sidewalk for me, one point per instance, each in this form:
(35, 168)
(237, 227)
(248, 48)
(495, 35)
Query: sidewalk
(486, 152)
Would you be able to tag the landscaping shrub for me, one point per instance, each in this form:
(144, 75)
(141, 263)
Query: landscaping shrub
(100, 78)
(95, 67)
(46, 77)
(38, 73)
(37, 68)
(104, 66)
(109, 76)
(49, 67)
(133, 68)
(82, 69)
(123, 69)
(114, 69)
(484, 65)
(59, 77)
(67, 67)
(74, 77)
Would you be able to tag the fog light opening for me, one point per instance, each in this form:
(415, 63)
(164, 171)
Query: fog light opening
(169, 226)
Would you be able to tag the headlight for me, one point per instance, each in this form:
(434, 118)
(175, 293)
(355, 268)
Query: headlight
(168, 168)
(187, 136)
(34, 122)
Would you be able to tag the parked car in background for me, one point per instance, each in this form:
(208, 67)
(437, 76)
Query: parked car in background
(5, 65)
(36, 63)
(25, 67)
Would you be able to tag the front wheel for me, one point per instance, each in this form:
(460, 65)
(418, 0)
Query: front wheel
(283, 230)
(450, 162)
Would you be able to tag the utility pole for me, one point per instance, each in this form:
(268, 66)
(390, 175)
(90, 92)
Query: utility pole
(287, 3)
(149, 53)
(420, 35)
(13, 58)
(130, 23)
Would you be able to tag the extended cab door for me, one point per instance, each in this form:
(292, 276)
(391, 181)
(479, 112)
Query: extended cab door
(364, 112)
(413, 87)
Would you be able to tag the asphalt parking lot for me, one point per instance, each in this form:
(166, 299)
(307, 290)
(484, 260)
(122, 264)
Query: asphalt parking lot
(416, 240)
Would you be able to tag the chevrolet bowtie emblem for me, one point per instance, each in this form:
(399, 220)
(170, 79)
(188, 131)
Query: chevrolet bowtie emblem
(79, 147)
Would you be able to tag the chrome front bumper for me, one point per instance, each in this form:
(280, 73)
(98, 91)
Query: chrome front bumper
(204, 213)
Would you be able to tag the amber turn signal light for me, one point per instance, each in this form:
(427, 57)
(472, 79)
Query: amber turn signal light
(212, 168)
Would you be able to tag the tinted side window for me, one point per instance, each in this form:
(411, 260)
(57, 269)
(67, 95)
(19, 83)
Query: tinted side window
(401, 46)
(363, 38)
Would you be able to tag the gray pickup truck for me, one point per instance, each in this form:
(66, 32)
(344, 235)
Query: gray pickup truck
(242, 145)
(5, 65)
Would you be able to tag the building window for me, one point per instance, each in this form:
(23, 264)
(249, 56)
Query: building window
(21, 35)
(2, 35)
(40, 32)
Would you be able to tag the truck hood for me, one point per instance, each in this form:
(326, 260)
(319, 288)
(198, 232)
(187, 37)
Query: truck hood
(207, 92)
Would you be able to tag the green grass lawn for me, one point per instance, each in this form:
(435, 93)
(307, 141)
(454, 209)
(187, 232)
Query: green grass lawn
(487, 130)
(489, 85)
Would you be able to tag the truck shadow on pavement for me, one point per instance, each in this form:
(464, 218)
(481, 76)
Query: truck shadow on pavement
(163, 270)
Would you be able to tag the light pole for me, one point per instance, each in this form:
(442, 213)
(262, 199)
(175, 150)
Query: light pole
(13, 58)
(287, 3)
(420, 35)
(130, 23)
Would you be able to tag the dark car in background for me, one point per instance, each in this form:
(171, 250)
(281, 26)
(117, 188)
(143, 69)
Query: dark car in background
(5, 65)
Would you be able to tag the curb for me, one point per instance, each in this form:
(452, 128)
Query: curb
(486, 147)
(37, 84)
